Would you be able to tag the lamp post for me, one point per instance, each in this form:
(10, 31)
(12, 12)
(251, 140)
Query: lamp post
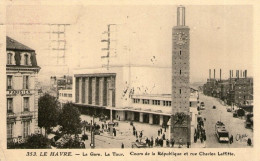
(110, 124)
(92, 144)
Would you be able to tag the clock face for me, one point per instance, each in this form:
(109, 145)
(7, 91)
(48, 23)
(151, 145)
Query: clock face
(182, 38)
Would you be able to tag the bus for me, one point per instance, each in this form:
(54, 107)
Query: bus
(221, 132)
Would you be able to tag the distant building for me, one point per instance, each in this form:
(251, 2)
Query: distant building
(65, 96)
(21, 90)
(233, 91)
(59, 83)
(63, 82)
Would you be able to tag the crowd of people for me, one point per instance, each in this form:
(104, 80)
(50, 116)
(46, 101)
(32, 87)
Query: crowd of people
(200, 132)
(159, 141)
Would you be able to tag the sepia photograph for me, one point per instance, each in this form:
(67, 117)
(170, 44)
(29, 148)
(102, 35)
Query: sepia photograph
(93, 77)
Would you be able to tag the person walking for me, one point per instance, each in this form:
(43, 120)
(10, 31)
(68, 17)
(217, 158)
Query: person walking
(173, 141)
(249, 142)
(180, 143)
(159, 132)
(231, 139)
(122, 145)
(163, 136)
(201, 139)
(195, 138)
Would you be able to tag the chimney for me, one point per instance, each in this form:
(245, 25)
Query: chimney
(209, 73)
(214, 73)
(245, 73)
(238, 74)
(220, 74)
(232, 74)
(241, 74)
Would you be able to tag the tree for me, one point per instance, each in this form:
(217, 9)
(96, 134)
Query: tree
(37, 141)
(48, 113)
(34, 141)
(70, 121)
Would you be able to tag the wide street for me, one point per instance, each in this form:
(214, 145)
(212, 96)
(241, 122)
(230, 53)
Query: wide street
(235, 126)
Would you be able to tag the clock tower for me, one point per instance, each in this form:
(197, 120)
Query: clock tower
(180, 117)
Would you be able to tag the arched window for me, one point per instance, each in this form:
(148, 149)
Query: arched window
(9, 58)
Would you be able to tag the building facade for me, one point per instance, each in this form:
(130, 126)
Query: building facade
(65, 96)
(96, 91)
(233, 91)
(21, 90)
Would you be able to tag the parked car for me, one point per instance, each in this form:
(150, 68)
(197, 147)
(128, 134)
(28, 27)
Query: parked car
(214, 107)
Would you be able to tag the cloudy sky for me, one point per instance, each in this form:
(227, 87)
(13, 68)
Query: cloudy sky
(220, 36)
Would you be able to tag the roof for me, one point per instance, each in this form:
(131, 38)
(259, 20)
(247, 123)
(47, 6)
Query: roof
(12, 44)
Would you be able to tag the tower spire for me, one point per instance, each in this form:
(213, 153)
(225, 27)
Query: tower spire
(181, 16)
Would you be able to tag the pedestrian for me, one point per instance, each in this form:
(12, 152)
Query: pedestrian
(188, 144)
(201, 139)
(167, 142)
(195, 138)
(163, 137)
(249, 142)
(173, 141)
(119, 118)
(165, 128)
(231, 139)
(115, 132)
(180, 143)
(161, 142)
(134, 132)
(133, 128)
(152, 142)
(122, 146)
(141, 134)
(161, 130)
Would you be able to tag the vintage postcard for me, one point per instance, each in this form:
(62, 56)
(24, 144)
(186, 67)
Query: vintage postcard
(126, 81)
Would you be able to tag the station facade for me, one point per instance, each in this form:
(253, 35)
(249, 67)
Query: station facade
(134, 93)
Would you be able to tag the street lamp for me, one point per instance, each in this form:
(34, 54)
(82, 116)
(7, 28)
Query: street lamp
(110, 124)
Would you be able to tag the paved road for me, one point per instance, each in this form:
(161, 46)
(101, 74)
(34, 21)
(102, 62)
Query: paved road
(235, 126)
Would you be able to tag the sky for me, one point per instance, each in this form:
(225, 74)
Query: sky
(220, 36)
